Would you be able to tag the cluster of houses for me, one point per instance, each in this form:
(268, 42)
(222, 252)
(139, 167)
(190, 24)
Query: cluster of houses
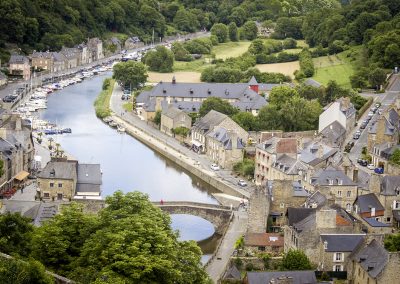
(67, 58)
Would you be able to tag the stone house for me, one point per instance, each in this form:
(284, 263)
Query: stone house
(335, 185)
(334, 134)
(336, 250)
(57, 180)
(374, 264)
(384, 133)
(224, 147)
(239, 95)
(342, 111)
(305, 225)
(3, 79)
(281, 277)
(49, 61)
(72, 57)
(95, 49)
(207, 124)
(263, 242)
(284, 194)
(84, 54)
(172, 118)
(19, 66)
(133, 42)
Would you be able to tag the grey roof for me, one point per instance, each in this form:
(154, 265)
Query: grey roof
(297, 214)
(86, 187)
(18, 59)
(334, 132)
(232, 273)
(316, 198)
(188, 107)
(342, 242)
(312, 82)
(61, 170)
(367, 201)
(389, 127)
(375, 223)
(346, 106)
(207, 122)
(223, 136)
(310, 153)
(296, 277)
(373, 258)
(89, 174)
(267, 87)
(394, 118)
(172, 112)
(58, 57)
(298, 190)
(307, 223)
(289, 165)
(331, 176)
(45, 212)
(253, 81)
(2, 76)
(389, 150)
(390, 184)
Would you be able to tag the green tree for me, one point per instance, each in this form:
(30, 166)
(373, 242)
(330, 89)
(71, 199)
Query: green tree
(157, 117)
(392, 242)
(130, 73)
(289, 43)
(186, 21)
(296, 260)
(233, 31)
(257, 46)
(377, 77)
(395, 157)
(23, 272)
(288, 27)
(217, 104)
(246, 120)
(220, 31)
(160, 60)
(249, 30)
(180, 52)
(15, 234)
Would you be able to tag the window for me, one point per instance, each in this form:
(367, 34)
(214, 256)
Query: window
(338, 256)
(46, 195)
(388, 219)
(337, 268)
(52, 184)
(348, 207)
(60, 185)
(339, 193)
(340, 182)
(331, 182)
(349, 193)
(261, 248)
(282, 205)
(59, 196)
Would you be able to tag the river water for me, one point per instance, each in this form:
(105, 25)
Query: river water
(126, 163)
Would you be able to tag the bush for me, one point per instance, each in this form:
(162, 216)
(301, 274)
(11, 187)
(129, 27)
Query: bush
(245, 168)
(220, 31)
(180, 53)
(249, 267)
(306, 63)
(102, 102)
(199, 46)
(289, 43)
(214, 40)
(160, 60)
(286, 57)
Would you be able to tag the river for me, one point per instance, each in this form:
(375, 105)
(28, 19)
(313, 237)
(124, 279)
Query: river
(126, 163)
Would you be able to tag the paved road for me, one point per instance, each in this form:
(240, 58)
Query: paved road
(203, 161)
(219, 262)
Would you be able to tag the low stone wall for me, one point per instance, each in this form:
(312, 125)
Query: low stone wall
(256, 263)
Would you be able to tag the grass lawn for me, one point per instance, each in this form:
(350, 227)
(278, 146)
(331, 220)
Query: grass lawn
(189, 77)
(195, 65)
(231, 49)
(334, 67)
(127, 106)
(286, 68)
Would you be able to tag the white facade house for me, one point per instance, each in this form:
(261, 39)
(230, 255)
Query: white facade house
(331, 114)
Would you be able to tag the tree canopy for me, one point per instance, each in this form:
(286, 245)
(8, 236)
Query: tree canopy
(217, 104)
(130, 73)
(296, 260)
(160, 60)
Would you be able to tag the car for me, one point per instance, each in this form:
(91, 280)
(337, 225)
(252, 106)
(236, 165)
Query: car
(362, 162)
(242, 183)
(370, 114)
(378, 170)
(215, 167)
(356, 136)
(373, 109)
(363, 124)
(378, 105)
(371, 166)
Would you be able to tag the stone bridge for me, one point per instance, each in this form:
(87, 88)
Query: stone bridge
(217, 215)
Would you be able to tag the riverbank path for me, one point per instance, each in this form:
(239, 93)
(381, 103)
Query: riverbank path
(172, 145)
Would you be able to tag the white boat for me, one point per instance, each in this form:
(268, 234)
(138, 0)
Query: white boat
(120, 128)
(112, 124)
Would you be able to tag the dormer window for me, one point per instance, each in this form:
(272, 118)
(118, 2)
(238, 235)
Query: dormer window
(52, 173)
(209, 91)
(325, 245)
(339, 182)
(330, 181)
(191, 91)
(164, 91)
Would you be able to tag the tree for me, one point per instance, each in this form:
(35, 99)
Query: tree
(233, 32)
(15, 234)
(23, 272)
(217, 104)
(288, 27)
(159, 60)
(130, 73)
(157, 117)
(377, 77)
(295, 260)
(180, 52)
(392, 242)
(257, 46)
(249, 30)
(289, 43)
(220, 31)
(246, 120)
(395, 157)
(280, 95)
(186, 21)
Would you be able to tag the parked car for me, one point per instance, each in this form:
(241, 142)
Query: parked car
(378, 170)
(364, 124)
(378, 105)
(215, 167)
(242, 183)
(371, 166)
(370, 114)
(356, 136)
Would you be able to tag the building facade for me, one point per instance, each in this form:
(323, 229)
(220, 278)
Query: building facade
(20, 66)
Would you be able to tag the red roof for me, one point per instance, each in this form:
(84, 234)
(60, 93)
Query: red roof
(263, 240)
(287, 145)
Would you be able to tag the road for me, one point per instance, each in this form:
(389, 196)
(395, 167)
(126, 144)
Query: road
(385, 99)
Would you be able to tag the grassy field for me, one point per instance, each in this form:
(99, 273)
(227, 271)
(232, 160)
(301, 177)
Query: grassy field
(334, 67)
(231, 49)
(193, 77)
(195, 65)
(102, 103)
(286, 68)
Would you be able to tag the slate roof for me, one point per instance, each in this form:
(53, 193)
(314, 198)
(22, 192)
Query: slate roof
(346, 106)
(394, 118)
(310, 153)
(367, 201)
(89, 174)
(188, 107)
(297, 214)
(334, 132)
(18, 59)
(389, 127)
(232, 273)
(61, 170)
(263, 239)
(296, 277)
(373, 258)
(298, 190)
(324, 177)
(375, 223)
(390, 184)
(207, 122)
(312, 82)
(172, 112)
(279, 145)
(86, 187)
(289, 165)
(253, 81)
(316, 198)
(342, 242)
(267, 87)
(225, 138)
